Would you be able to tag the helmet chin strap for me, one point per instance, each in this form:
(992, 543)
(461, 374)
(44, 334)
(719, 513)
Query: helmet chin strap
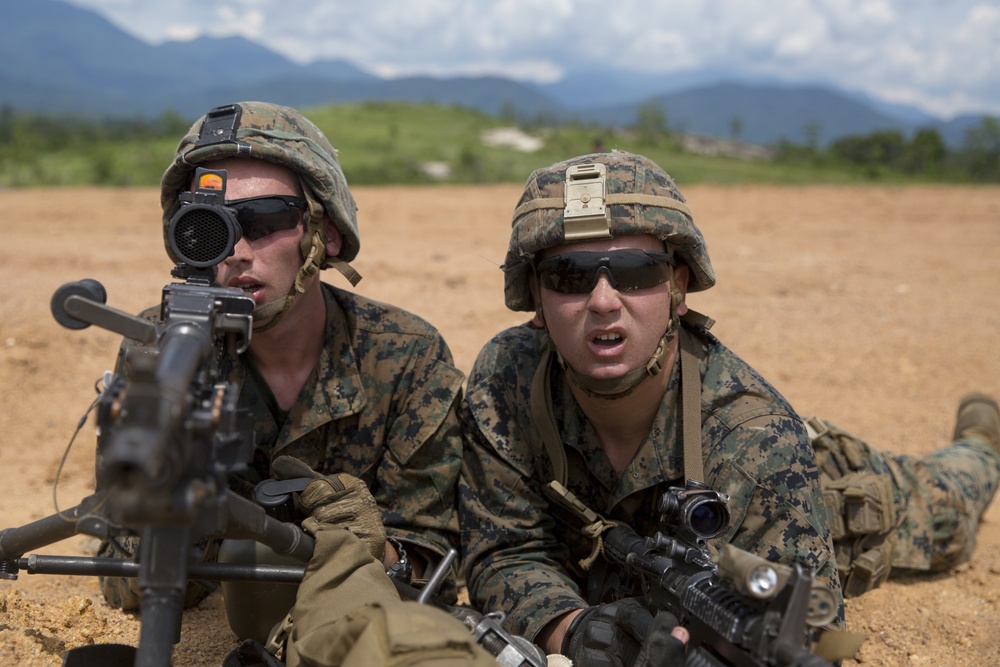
(272, 312)
(313, 250)
(614, 388)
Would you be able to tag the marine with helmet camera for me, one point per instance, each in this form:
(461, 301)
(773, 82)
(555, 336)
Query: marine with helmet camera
(615, 391)
(358, 394)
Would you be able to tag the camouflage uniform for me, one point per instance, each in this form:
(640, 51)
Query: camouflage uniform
(892, 513)
(379, 405)
(801, 491)
(521, 554)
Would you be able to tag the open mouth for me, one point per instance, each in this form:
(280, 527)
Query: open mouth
(252, 290)
(607, 339)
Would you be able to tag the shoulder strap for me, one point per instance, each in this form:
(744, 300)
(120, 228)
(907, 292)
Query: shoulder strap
(691, 355)
(543, 415)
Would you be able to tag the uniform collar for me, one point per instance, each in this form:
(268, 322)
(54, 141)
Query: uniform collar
(658, 459)
(333, 390)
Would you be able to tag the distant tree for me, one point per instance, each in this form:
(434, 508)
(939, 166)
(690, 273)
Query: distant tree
(508, 112)
(878, 149)
(651, 122)
(544, 119)
(925, 153)
(735, 127)
(980, 155)
(6, 125)
(812, 132)
(172, 124)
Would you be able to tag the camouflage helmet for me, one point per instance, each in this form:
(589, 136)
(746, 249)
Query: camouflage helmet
(276, 134)
(602, 195)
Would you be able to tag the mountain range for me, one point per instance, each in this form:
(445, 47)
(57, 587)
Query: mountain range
(61, 59)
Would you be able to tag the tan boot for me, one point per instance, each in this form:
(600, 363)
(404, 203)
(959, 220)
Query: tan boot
(978, 417)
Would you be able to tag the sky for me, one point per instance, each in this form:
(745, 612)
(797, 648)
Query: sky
(940, 56)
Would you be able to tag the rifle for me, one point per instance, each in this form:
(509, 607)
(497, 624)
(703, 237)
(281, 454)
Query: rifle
(168, 436)
(741, 611)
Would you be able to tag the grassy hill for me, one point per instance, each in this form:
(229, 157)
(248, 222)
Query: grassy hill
(391, 142)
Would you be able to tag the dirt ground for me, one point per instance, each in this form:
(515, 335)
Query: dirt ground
(875, 307)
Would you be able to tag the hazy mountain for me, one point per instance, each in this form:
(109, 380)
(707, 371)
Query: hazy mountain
(595, 88)
(58, 58)
(762, 114)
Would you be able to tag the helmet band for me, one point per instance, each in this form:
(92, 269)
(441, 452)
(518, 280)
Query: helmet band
(623, 199)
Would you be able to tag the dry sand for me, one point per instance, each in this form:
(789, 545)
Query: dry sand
(875, 307)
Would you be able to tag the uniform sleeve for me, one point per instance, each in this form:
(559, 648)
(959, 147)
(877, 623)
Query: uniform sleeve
(417, 478)
(768, 468)
(510, 556)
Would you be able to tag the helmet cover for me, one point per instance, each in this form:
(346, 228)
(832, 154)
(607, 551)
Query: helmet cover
(640, 198)
(273, 133)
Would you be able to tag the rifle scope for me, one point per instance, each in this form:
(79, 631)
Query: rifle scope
(203, 231)
(695, 510)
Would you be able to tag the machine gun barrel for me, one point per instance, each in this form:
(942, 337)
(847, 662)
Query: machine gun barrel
(139, 451)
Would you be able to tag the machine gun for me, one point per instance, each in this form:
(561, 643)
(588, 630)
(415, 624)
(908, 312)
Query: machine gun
(742, 611)
(168, 436)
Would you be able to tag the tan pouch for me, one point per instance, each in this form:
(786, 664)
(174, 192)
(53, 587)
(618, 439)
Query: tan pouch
(866, 499)
(870, 569)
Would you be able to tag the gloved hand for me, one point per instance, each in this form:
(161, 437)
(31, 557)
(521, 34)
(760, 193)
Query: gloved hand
(661, 649)
(336, 501)
(617, 634)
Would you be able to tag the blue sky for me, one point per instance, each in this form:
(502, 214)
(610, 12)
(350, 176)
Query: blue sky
(941, 56)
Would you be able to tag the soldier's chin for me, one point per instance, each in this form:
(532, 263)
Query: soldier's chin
(608, 372)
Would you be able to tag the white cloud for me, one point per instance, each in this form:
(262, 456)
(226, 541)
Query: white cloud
(940, 55)
(235, 21)
(183, 33)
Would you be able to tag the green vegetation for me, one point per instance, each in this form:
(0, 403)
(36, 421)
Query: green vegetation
(38, 150)
(390, 142)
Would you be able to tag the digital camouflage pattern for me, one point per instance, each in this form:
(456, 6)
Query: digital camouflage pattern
(281, 135)
(379, 405)
(538, 219)
(525, 556)
(930, 507)
(521, 554)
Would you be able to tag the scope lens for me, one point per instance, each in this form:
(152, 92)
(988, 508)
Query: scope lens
(202, 235)
(707, 518)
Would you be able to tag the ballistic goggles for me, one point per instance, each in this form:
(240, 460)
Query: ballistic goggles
(260, 216)
(627, 270)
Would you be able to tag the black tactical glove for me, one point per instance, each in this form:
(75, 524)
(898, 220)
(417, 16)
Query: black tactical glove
(661, 649)
(616, 633)
(336, 501)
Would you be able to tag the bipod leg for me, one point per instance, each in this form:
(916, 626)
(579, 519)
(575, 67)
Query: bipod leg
(163, 574)
(15, 542)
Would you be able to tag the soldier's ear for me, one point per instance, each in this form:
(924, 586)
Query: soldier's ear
(682, 277)
(537, 320)
(334, 241)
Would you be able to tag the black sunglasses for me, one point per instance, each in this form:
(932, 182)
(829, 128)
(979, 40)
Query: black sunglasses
(627, 270)
(260, 216)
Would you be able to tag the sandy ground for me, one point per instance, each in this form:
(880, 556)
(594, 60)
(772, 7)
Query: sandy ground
(875, 307)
